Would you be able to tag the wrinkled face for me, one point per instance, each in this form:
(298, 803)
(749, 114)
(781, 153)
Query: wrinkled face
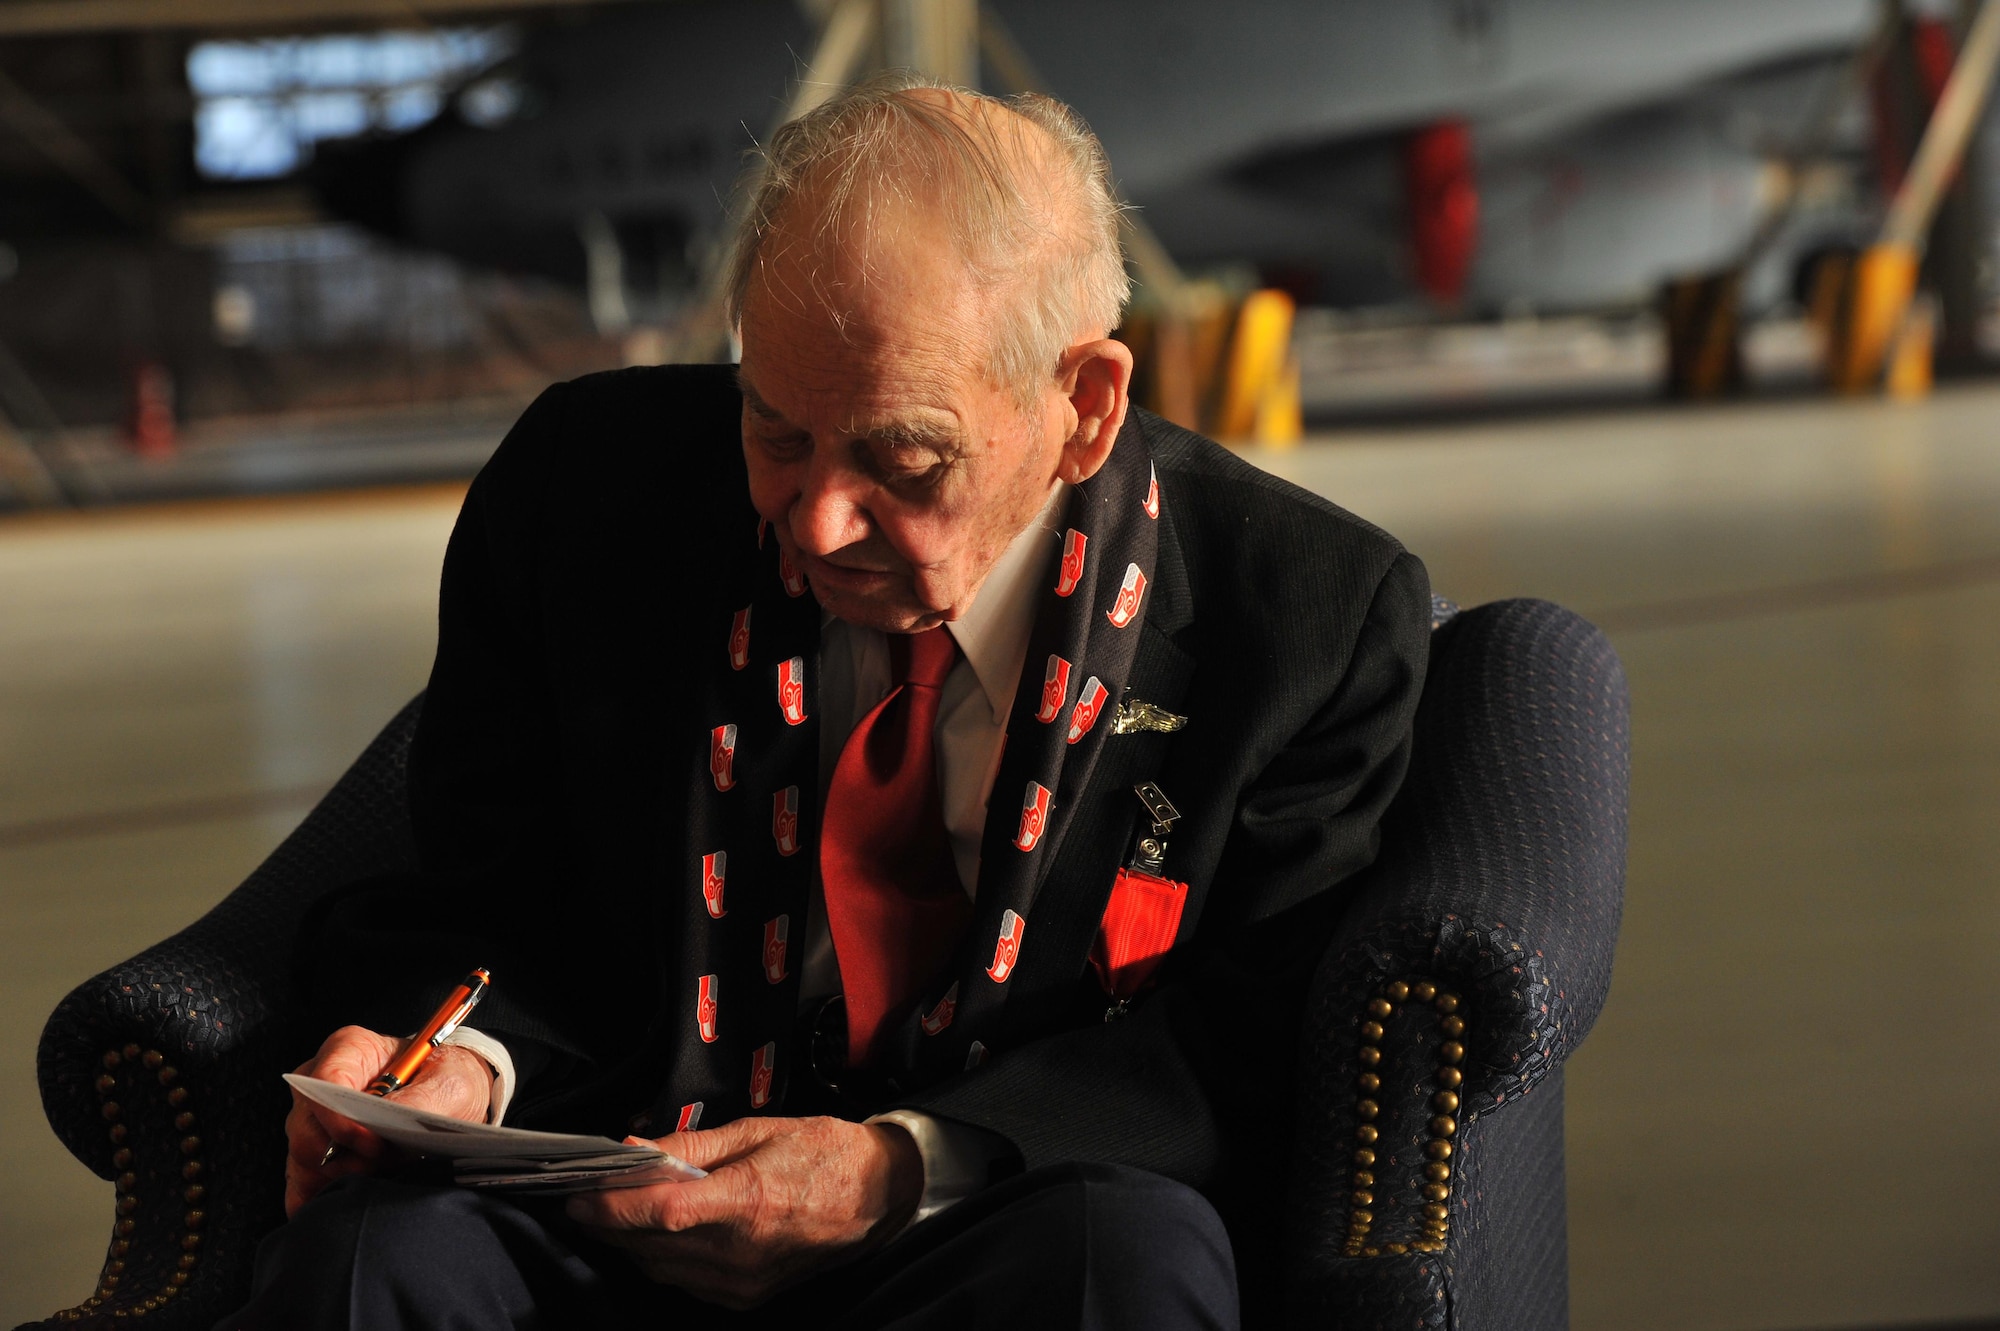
(892, 471)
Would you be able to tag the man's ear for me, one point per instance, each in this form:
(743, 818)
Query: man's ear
(1097, 379)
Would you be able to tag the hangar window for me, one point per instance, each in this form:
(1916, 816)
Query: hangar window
(261, 105)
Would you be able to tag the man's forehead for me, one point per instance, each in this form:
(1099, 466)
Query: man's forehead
(865, 271)
(850, 406)
(876, 322)
(911, 353)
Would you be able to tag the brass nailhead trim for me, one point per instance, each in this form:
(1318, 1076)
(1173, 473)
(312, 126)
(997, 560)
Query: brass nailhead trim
(166, 1075)
(1436, 1192)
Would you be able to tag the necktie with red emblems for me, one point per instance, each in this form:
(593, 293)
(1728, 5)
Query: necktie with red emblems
(893, 899)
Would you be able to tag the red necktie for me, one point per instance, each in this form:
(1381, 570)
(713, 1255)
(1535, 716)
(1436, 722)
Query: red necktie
(893, 898)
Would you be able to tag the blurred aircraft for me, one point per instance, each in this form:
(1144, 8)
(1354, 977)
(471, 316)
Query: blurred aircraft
(1609, 144)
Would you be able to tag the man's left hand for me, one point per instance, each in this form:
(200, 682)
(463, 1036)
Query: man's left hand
(784, 1198)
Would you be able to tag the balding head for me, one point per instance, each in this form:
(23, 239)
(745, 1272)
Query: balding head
(1017, 190)
(923, 288)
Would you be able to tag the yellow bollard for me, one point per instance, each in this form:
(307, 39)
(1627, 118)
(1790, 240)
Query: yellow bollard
(1257, 359)
(1909, 374)
(1878, 302)
(1280, 418)
(1704, 334)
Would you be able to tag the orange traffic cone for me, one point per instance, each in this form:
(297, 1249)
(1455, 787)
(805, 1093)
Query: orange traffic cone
(149, 427)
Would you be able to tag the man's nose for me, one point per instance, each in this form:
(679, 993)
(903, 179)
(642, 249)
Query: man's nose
(828, 514)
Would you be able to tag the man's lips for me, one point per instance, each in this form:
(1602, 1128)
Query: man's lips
(826, 572)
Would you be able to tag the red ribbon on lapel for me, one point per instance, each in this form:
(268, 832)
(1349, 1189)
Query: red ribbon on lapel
(1140, 923)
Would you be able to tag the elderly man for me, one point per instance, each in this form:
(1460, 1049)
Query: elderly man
(893, 774)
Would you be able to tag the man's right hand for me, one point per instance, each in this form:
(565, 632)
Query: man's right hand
(455, 1082)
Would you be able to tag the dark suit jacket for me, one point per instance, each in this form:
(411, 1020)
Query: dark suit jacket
(567, 784)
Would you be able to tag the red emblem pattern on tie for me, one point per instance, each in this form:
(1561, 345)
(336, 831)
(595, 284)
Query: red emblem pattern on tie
(777, 933)
(1034, 816)
(938, 1018)
(762, 1064)
(690, 1119)
(1055, 688)
(792, 690)
(1126, 609)
(714, 878)
(894, 903)
(707, 1004)
(785, 820)
(1071, 572)
(1152, 504)
(722, 757)
(1007, 948)
(751, 889)
(1089, 703)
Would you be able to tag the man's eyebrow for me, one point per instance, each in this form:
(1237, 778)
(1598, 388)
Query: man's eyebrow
(942, 435)
(756, 401)
(938, 437)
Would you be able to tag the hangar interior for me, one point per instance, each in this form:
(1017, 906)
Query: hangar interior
(1569, 298)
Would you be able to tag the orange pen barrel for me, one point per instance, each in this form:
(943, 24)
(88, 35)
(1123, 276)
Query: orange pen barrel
(443, 1022)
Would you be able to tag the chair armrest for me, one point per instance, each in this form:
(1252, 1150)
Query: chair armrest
(161, 1073)
(1475, 956)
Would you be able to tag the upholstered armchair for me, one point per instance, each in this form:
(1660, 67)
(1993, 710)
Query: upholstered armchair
(1428, 1184)
(1429, 1178)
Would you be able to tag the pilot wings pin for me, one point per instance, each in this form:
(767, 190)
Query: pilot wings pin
(1135, 715)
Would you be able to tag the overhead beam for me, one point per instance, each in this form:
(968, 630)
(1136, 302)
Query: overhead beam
(46, 132)
(46, 18)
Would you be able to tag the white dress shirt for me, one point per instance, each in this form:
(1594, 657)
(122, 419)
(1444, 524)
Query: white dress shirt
(992, 634)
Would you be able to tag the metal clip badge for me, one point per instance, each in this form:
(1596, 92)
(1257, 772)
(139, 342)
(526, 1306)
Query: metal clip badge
(1149, 851)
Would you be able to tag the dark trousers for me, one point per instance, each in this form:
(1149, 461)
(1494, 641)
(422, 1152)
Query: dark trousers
(1098, 1246)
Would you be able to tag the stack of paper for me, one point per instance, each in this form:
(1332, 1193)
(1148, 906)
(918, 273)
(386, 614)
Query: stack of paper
(514, 1159)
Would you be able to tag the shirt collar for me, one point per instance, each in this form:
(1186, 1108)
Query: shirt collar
(993, 631)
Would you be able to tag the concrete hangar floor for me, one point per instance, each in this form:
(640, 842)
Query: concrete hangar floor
(1781, 1121)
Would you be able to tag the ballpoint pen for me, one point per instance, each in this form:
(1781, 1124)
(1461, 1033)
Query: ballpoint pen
(417, 1050)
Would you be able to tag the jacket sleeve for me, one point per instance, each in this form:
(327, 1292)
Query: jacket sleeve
(1196, 1083)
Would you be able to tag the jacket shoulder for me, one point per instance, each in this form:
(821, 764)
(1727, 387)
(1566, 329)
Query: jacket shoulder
(684, 413)
(1234, 513)
(619, 446)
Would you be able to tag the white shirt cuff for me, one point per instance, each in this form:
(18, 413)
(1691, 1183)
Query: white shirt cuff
(498, 1059)
(958, 1158)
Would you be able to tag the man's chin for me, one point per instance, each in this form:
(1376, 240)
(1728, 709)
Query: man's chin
(886, 615)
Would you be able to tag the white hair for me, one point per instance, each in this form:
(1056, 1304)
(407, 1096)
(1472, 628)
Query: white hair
(1041, 220)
